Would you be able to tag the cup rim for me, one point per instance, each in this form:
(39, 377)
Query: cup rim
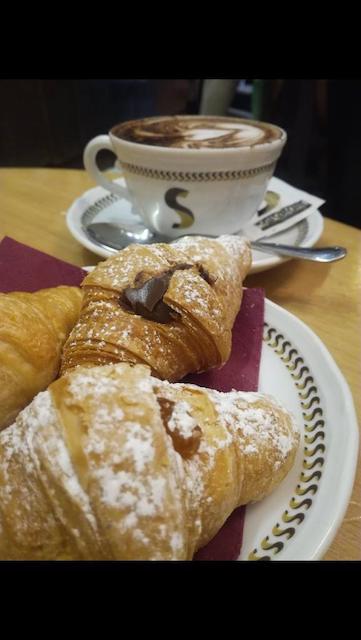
(258, 148)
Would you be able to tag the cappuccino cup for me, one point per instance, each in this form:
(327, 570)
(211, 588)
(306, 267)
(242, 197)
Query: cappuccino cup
(191, 174)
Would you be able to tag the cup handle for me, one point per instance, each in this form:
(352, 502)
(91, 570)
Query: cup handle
(90, 163)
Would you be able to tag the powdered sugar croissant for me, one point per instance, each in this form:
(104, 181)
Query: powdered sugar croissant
(33, 329)
(171, 307)
(111, 463)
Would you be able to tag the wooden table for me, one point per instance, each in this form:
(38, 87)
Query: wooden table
(33, 204)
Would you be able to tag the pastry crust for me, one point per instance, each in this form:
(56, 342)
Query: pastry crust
(202, 294)
(33, 329)
(111, 463)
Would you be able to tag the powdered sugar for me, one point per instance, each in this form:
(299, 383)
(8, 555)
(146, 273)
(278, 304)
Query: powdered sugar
(259, 425)
(44, 443)
(237, 246)
(124, 490)
(140, 448)
(176, 541)
(181, 419)
(86, 383)
(249, 448)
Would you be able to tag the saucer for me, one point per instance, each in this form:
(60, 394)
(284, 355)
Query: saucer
(99, 205)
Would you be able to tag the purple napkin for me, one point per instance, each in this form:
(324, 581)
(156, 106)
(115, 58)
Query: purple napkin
(25, 269)
(242, 369)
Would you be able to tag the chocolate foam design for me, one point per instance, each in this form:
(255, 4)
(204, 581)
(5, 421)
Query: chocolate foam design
(197, 132)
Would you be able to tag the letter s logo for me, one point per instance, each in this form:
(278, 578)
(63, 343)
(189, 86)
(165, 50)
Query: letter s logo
(186, 216)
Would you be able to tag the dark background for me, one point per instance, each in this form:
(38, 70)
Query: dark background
(47, 123)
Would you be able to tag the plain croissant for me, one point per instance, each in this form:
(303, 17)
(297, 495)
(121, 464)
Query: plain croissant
(171, 307)
(33, 329)
(111, 463)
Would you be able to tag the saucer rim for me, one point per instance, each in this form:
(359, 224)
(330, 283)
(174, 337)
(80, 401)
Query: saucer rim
(73, 220)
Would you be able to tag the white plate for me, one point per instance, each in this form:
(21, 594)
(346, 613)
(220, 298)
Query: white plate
(299, 520)
(100, 205)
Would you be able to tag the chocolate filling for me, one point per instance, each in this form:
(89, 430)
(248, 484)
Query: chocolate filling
(166, 410)
(208, 277)
(146, 298)
(186, 447)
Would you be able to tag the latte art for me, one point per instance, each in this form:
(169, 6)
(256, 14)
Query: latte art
(197, 132)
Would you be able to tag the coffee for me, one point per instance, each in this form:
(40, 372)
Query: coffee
(197, 132)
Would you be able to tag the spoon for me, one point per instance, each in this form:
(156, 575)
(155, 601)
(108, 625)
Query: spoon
(110, 236)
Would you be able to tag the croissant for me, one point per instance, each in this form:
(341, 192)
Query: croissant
(171, 307)
(112, 463)
(33, 329)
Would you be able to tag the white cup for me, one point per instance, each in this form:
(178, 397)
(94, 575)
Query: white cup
(199, 187)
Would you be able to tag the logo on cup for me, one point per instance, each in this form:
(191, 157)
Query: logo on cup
(186, 216)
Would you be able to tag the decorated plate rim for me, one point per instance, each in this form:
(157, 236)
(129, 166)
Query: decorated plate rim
(279, 335)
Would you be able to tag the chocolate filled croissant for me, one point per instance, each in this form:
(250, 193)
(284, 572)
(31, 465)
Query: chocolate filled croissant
(33, 329)
(171, 307)
(111, 463)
